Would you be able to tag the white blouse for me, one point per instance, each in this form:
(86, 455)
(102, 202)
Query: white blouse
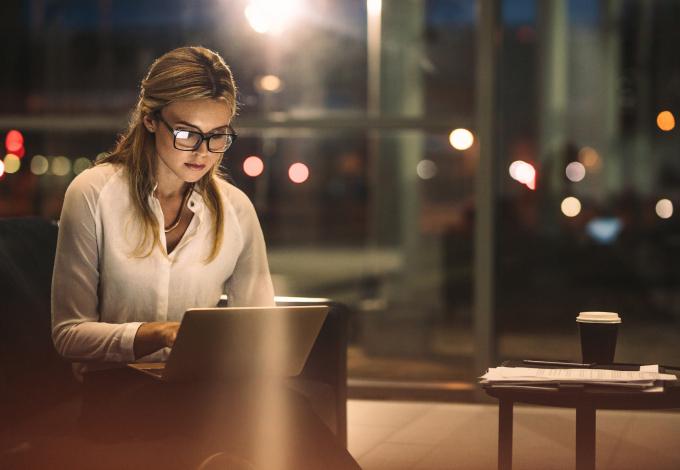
(101, 294)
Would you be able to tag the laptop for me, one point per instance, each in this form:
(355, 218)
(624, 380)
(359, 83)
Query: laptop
(224, 343)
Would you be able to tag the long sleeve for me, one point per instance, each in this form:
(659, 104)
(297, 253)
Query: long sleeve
(77, 333)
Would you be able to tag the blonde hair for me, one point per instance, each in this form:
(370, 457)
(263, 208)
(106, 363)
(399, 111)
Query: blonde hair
(187, 73)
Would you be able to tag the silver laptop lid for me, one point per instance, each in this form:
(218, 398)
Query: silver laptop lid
(250, 341)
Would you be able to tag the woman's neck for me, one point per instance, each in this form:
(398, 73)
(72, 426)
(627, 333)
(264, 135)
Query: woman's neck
(169, 185)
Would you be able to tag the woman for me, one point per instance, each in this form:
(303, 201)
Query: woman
(150, 231)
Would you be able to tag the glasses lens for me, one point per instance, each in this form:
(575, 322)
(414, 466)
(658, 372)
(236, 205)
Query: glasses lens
(220, 142)
(186, 140)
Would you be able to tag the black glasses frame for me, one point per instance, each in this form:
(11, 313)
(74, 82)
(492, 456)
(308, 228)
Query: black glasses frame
(200, 141)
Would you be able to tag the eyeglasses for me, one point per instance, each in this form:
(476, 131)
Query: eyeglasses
(189, 140)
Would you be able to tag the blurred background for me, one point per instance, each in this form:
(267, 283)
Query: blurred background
(466, 175)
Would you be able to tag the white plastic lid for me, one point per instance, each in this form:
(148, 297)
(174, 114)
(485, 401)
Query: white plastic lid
(598, 317)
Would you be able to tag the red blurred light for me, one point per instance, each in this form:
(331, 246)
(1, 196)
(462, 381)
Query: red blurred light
(14, 140)
(298, 173)
(2, 168)
(532, 184)
(253, 166)
(19, 153)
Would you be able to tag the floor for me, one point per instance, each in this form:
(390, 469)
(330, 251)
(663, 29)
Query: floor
(389, 435)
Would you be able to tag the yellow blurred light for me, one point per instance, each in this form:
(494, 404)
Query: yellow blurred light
(374, 7)
(665, 121)
(12, 163)
(39, 165)
(461, 139)
(80, 165)
(664, 208)
(270, 82)
(61, 166)
(571, 207)
(576, 171)
(588, 156)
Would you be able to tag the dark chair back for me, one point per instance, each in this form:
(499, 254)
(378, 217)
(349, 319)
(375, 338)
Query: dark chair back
(32, 375)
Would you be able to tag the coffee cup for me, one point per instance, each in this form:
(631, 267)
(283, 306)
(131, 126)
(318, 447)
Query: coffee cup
(598, 332)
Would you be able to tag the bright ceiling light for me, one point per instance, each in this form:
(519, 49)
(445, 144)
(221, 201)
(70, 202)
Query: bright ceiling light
(374, 7)
(272, 16)
(257, 19)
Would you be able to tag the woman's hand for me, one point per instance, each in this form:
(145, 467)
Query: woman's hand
(153, 336)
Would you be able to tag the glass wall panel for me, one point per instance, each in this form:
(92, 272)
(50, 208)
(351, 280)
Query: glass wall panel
(384, 218)
(588, 94)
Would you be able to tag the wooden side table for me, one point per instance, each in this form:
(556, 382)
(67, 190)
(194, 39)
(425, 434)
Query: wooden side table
(586, 401)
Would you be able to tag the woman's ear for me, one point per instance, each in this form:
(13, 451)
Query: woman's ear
(149, 120)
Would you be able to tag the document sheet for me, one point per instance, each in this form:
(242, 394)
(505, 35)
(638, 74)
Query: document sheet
(535, 376)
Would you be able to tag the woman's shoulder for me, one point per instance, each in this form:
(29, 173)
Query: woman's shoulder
(93, 180)
(234, 195)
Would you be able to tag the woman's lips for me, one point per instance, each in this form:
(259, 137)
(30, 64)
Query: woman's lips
(195, 166)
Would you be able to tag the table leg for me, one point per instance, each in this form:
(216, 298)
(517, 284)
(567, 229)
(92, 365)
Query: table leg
(585, 438)
(505, 434)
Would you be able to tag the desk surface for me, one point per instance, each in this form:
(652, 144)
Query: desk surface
(598, 397)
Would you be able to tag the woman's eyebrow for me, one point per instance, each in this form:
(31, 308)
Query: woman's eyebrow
(225, 126)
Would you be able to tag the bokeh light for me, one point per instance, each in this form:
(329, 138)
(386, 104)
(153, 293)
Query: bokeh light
(2, 168)
(426, 169)
(257, 19)
(253, 166)
(80, 165)
(270, 83)
(12, 163)
(14, 141)
(461, 139)
(524, 172)
(298, 173)
(18, 153)
(664, 208)
(576, 171)
(374, 6)
(39, 165)
(588, 156)
(571, 207)
(272, 16)
(665, 121)
(513, 168)
(61, 166)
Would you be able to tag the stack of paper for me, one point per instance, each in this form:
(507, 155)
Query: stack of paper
(528, 377)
